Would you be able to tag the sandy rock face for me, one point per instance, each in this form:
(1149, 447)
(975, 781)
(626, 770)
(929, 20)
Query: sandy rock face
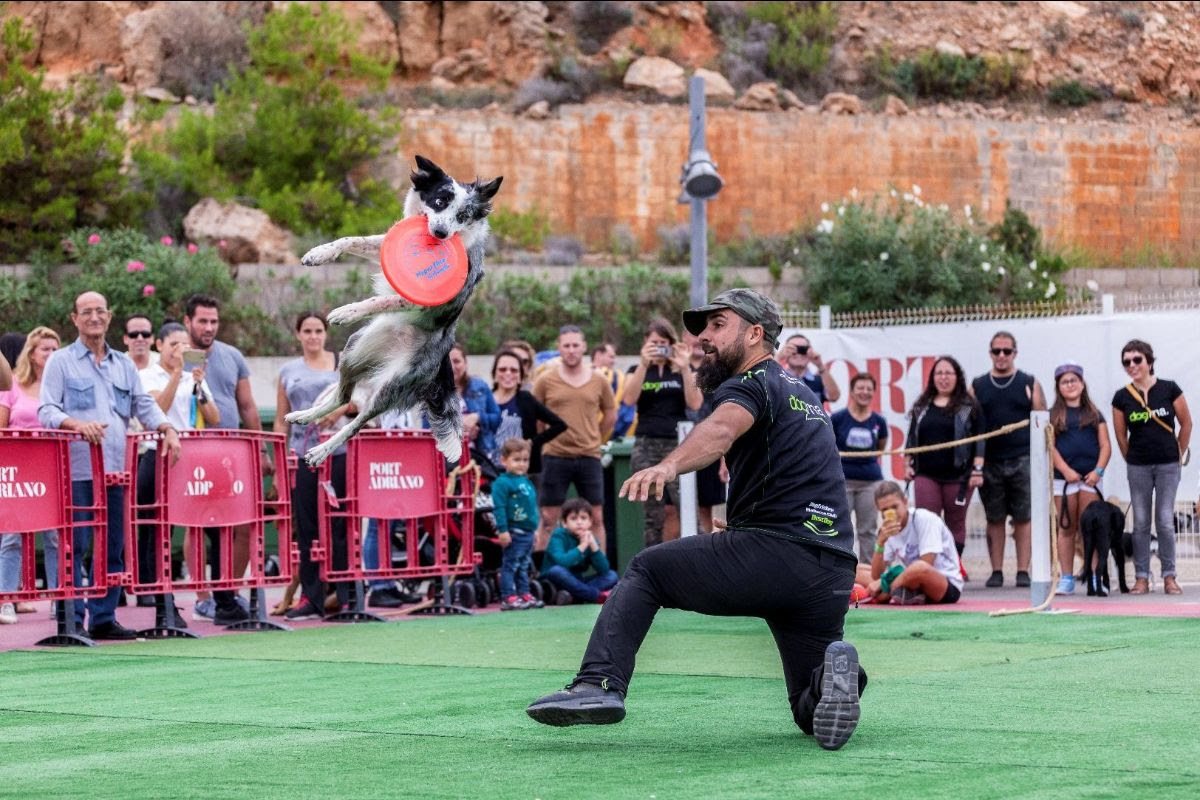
(249, 235)
(657, 74)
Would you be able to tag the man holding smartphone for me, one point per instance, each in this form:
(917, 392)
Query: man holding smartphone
(800, 360)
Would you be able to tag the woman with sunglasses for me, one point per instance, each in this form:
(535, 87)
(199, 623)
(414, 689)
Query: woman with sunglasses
(1144, 413)
(520, 411)
(1081, 452)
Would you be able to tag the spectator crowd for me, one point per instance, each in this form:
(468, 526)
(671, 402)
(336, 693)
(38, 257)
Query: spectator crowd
(544, 425)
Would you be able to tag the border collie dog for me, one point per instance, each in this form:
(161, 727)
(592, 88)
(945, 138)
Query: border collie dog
(400, 359)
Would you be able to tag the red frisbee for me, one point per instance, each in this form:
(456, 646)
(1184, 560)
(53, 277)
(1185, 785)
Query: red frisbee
(421, 268)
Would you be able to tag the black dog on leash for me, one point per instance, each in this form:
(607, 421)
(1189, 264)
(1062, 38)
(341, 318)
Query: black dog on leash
(1103, 527)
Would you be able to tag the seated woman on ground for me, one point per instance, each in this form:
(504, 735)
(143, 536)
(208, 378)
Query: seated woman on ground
(915, 561)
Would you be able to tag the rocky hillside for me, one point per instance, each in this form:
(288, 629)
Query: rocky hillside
(1132, 61)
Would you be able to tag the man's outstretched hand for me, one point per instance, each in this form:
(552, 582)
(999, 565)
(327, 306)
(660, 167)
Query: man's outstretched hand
(652, 479)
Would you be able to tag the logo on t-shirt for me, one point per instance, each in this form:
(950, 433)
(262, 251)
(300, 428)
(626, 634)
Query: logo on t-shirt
(860, 439)
(1144, 416)
(810, 411)
(821, 519)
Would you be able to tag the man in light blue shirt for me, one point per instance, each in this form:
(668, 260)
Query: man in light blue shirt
(94, 390)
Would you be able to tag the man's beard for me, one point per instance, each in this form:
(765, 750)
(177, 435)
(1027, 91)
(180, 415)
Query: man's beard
(715, 371)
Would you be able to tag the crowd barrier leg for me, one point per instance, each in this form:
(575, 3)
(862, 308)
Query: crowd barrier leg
(356, 612)
(442, 604)
(67, 632)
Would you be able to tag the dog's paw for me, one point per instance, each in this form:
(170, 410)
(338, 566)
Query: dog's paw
(451, 449)
(306, 417)
(317, 455)
(321, 254)
(343, 314)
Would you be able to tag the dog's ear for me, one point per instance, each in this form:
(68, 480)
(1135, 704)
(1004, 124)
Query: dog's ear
(427, 174)
(487, 191)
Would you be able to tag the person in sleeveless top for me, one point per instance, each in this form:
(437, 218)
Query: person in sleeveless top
(1007, 395)
(300, 381)
(1144, 413)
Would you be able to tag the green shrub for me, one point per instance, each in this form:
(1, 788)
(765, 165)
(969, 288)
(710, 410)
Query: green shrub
(1071, 93)
(525, 230)
(1016, 234)
(804, 40)
(134, 273)
(942, 75)
(612, 304)
(883, 255)
(283, 137)
(60, 155)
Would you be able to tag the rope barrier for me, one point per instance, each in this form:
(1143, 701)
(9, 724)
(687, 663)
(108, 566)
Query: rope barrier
(1055, 572)
(928, 448)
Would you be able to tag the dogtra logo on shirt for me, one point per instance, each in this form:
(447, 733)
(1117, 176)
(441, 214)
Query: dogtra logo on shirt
(387, 475)
(10, 487)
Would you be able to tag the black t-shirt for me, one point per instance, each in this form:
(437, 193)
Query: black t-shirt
(1004, 401)
(785, 476)
(661, 404)
(937, 426)
(1079, 446)
(1149, 442)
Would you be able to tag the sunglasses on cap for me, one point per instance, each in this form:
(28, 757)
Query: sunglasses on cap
(1128, 362)
(139, 334)
(1003, 351)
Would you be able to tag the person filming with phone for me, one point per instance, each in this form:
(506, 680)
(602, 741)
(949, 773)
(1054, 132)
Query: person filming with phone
(914, 561)
(663, 388)
(800, 360)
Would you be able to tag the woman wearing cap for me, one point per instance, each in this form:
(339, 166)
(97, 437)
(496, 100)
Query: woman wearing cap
(1081, 452)
(662, 387)
(1144, 414)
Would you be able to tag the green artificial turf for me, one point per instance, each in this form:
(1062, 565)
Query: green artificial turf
(959, 706)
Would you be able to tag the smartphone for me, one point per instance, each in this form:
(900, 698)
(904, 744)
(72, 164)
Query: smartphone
(802, 349)
(194, 358)
(889, 515)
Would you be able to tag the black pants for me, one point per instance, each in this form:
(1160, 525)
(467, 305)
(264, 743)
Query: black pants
(305, 498)
(801, 591)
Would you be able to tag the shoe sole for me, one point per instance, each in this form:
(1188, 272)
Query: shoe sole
(582, 711)
(837, 712)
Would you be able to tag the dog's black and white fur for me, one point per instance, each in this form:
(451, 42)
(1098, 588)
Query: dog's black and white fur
(400, 360)
(1103, 527)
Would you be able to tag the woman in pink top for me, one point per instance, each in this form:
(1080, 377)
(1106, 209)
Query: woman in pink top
(18, 409)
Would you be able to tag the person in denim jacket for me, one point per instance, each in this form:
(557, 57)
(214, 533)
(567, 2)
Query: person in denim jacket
(482, 416)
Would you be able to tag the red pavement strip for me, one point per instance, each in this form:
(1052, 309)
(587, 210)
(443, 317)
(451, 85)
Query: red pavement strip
(32, 627)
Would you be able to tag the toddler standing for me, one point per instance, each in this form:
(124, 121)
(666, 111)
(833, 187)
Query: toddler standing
(515, 508)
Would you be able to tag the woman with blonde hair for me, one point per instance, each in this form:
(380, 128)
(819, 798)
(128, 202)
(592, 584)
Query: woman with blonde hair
(18, 409)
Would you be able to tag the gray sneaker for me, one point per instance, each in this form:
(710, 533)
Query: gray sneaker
(581, 704)
(204, 609)
(908, 597)
(837, 712)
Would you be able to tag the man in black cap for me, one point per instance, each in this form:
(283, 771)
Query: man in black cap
(786, 553)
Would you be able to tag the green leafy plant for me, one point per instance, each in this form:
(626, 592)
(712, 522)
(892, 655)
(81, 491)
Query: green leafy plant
(1071, 93)
(283, 136)
(60, 155)
(944, 75)
(133, 272)
(612, 304)
(890, 253)
(526, 230)
(804, 40)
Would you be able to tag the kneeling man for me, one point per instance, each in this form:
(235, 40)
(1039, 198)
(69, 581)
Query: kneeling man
(915, 560)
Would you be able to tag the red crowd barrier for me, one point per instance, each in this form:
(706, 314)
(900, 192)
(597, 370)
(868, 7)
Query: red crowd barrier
(399, 475)
(35, 496)
(217, 484)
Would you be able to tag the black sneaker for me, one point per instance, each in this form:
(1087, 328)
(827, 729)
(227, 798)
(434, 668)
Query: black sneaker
(114, 631)
(230, 615)
(1023, 579)
(180, 622)
(996, 580)
(581, 704)
(385, 598)
(305, 610)
(837, 712)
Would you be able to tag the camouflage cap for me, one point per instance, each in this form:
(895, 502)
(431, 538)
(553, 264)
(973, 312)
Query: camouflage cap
(755, 308)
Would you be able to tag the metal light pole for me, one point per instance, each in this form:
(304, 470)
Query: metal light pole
(700, 184)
